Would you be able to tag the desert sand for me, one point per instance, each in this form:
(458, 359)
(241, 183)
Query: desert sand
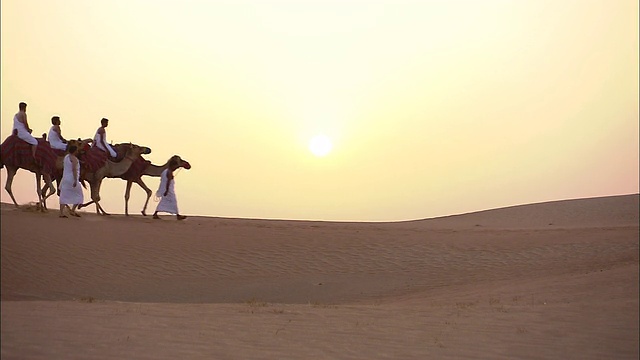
(556, 280)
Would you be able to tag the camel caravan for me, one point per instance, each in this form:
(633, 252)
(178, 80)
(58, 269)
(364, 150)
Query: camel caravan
(122, 161)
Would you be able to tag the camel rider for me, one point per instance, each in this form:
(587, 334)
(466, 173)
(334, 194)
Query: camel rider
(21, 124)
(100, 139)
(55, 135)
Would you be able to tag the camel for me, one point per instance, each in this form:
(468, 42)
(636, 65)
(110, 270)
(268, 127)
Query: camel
(150, 170)
(139, 168)
(42, 168)
(82, 144)
(37, 170)
(110, 169)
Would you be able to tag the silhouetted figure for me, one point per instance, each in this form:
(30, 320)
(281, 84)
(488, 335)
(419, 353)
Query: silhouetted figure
(70, 190)
(100, 139)
(166, 190)
(21, 125)
(55, 138)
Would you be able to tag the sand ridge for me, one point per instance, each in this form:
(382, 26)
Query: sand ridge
(552, 280)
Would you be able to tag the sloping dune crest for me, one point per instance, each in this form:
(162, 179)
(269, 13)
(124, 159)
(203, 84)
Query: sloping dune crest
(604, 211)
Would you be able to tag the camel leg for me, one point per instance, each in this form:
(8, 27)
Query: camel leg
(148, 191)
(11, 172)
(41, 192)
(39, 189)
(127, 193)
(51, 188)
(85, 204)
(95, 195)
(102, 210)
(44, 194)
(84, 180)
(98, 202)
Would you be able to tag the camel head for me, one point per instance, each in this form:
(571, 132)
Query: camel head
(82, 145)
(122, 149)
(133, 150)
(181, 163)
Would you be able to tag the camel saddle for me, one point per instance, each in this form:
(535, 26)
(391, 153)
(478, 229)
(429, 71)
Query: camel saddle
(93, 159)
(17, 152)
(136, 170)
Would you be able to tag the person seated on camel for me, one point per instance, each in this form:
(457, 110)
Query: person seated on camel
(55, 138)
(22, 129)
(100, 139)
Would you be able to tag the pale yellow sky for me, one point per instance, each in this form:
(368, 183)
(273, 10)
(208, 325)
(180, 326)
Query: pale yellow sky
(433, 107)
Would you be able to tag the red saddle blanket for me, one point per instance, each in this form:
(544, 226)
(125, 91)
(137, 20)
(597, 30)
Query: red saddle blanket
(137, 167)
(59, 152)
(136, 170)
(93, 159)
(17, 152)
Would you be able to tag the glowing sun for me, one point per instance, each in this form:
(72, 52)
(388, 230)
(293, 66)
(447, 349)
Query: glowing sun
(320, 145)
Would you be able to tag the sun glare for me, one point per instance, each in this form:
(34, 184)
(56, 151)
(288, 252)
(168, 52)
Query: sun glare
(320, 145)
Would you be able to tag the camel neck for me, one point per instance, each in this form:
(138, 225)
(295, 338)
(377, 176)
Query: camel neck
(121, 167)
(155, 170)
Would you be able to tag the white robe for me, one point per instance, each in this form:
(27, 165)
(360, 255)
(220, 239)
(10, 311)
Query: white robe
(70, 195)
(100, 145)
(169, 203)
(55, 141)
(22, 131)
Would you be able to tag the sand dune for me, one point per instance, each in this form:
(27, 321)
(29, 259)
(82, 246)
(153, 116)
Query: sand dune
(551, 280)
(591, 212)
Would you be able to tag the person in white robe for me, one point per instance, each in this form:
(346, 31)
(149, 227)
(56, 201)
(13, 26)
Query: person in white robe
(166, 191)
(21, 125)
(70, 188)
(55, 138)
(100, 139)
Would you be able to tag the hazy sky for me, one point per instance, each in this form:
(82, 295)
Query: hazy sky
(433, 107)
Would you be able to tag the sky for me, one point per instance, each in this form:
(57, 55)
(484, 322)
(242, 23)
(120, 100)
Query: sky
(432, 108)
